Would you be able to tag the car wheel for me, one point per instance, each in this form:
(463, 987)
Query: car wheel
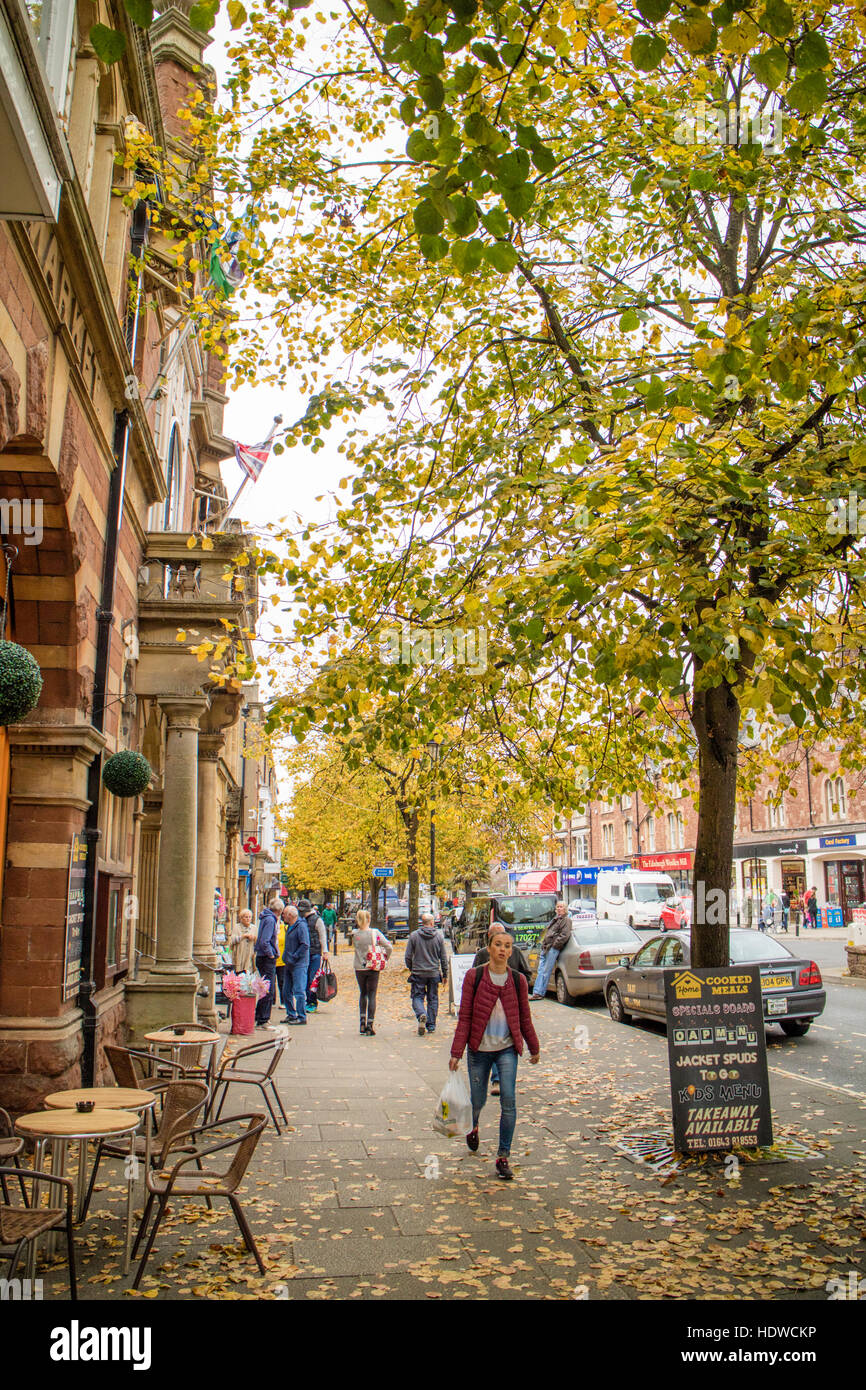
(615, 1006)
(562, 994)
(796, 1028)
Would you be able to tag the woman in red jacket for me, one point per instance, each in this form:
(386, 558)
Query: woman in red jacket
(494, 1020)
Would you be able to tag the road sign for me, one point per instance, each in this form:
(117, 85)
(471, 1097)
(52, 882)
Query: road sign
(386, 871)
(720, 1092)
(503, 864)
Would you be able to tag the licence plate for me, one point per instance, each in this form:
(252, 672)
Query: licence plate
(776, 982)
(777, 1006)
(612, 960)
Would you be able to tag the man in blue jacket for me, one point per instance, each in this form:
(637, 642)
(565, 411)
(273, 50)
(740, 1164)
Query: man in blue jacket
(266, 958)
(296, 959)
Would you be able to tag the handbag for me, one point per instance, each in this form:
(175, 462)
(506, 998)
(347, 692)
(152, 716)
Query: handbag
(376, 958)
(326, 986)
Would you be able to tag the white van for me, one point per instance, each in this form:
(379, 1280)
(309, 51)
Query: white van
(635, 896)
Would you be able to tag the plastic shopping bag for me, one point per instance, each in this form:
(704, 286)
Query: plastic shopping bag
(454, 1111)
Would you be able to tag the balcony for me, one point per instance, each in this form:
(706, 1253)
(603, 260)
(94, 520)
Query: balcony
(183, 590)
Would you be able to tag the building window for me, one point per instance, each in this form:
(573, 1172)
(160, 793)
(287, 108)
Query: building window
(171, 511)
(834, 793)
(625, 802)
(672, 831)
(581, 855)
(54, 24)
(629, 837)
(651, 833)
(607, 841)
(776, 815)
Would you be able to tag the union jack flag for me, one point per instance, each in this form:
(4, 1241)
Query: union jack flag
(253, 457)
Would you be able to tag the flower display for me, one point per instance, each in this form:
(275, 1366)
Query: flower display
(247, 983)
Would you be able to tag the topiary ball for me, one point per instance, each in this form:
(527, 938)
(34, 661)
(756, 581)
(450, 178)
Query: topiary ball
(20, 682)
(127, 773)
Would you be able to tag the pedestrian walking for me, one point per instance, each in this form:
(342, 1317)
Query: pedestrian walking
(372, 950)
(266, 958)
(329, 917)
(427, 964)
(517, 962)
(785, 903)
(494, 1021)
(555, 938)
(296, 958)
(280, 967)
(318, 948)
(243, 943)
(810, 905)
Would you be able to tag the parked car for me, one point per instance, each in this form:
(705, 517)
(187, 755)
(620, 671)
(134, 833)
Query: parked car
(675, 915)
(397, 920)
(792, 988)
(595, 949)
(583, 909)
(634, 896)
(525, 915)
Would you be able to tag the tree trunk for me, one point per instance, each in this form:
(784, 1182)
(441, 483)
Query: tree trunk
(375, 889)
(716, 722)
(467, 889)
(412, 858)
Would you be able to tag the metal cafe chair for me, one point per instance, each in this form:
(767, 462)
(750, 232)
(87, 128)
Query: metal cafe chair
(232, 1071)
(19, 1227)
(173, 1182)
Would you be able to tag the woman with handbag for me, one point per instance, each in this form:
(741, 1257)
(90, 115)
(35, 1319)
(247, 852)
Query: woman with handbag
(372, 951)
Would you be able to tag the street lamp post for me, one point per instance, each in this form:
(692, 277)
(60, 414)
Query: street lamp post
(433, 748)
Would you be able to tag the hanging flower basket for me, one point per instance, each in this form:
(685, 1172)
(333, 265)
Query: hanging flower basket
(20, 682)
(127, 773)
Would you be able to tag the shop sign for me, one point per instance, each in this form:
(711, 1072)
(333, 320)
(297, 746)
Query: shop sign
(836, 841)
(717, 1054)
(74, 916)
(665, 862)
(769, 849)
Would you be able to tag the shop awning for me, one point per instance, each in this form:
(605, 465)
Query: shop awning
(538, 881)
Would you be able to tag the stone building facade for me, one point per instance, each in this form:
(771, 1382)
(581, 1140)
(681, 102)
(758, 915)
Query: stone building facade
(114, 442)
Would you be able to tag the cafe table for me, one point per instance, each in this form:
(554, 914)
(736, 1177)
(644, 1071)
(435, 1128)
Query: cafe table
(57, 1128)
(190, 1037)
(110, 1098)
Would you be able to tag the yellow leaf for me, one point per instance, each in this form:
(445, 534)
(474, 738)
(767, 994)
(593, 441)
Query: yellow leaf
(191, 542)
(181, 636)
(206, 543)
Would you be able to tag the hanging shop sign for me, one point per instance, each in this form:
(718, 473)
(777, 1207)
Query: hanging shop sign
(74, 916)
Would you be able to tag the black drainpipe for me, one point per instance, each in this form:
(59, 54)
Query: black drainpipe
(104, 626)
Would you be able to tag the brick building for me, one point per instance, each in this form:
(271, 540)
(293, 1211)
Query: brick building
(110, 434)
(815, 835)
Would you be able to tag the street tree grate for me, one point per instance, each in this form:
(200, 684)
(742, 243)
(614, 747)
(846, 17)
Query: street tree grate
(654, 1148)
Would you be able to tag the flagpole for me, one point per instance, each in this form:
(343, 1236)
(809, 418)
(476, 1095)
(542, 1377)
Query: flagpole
(278, 420)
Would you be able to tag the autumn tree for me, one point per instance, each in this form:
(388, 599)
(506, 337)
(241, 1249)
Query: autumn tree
(602, 300)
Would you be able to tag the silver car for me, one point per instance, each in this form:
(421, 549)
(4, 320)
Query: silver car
(584, 963)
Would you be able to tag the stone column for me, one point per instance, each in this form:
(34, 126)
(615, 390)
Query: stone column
(175, 899)
(207, 868)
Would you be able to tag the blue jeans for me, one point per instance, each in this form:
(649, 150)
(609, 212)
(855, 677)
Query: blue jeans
(480, 1065)
(267, 968)
(296, 989)
(315, 962)
(425, 997)
(547, 960)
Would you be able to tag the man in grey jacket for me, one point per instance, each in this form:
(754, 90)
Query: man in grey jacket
(428, 966)
(553, 941)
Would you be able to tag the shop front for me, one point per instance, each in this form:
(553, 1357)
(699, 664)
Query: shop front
(768, 867)
(843, 882)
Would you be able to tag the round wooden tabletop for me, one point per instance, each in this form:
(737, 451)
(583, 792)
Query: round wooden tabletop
(186, 1039)
(106, 1098)
(69, 1124)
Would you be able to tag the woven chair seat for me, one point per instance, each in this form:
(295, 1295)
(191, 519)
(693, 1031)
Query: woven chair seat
(17, 1225)
(193, 1184)
(10, 1147)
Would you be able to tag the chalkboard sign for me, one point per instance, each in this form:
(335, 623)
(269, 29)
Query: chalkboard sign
(720, 1092)
(74, 916)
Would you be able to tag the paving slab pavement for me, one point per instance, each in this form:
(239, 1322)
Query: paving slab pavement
(361, 1198)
